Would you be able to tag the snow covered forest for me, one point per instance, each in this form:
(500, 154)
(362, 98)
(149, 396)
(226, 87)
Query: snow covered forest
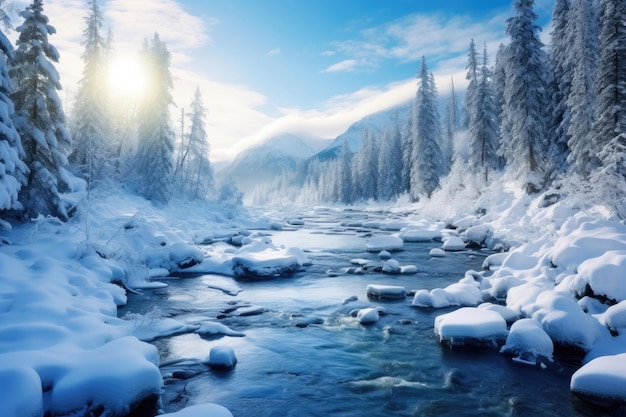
(48, 161)
(543, 116)
(494, 218)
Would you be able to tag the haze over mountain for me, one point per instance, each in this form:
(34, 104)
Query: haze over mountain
(263, 163)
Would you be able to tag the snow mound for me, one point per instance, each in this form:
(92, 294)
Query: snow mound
(565, 321)
(615, 318)
(420, 235)
(602, 381)
(262, 259)
(453, 243)
(392, 267)
(21, 392)
(528, 342)
(202, 410)
(388, 243)
(386, 291)
(507, 314)
(470, 325)
(457, 294)
(604, 275)
(222, 357)
(437, 253)
(368, 315)
(211, 328)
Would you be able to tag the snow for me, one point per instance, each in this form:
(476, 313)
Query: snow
(368, 315)
(391, 267)
(528, 341)
(453, 243)
(602, 381)
(210, 328)
(388, 243)
(457, 294)
(386, 291)
(201, 410)
(411, 234)
(222, 357)
(470, 323)
(437, 253)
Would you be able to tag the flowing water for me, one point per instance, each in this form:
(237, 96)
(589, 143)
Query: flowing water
(305, 355)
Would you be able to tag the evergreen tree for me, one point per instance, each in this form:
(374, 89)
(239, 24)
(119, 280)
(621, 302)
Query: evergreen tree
(91, 128)
(453, 123)
(524, 128)
(343, 177)
(13, 171)
(472, 77)
(196, 172)
(483, 128)
(365, 170)
(610, 119)
(583, 47)
(427, 159)
(154, 166)
(407, 150)
(40, 120)
(390, 164)
(559, 88)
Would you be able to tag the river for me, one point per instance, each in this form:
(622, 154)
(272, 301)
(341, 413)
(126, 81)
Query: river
(305, 355)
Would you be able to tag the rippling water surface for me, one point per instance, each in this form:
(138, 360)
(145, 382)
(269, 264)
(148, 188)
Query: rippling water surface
(306, 356)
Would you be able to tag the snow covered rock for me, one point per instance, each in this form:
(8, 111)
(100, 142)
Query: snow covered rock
(604, 276)
(565, 321)
(386, 291)
(420, 235)
(264, 260)
(222, 357)
(388, 243)
(460, 294)
(470, 325)
(528, 342)
(368, 315)
(391, 267)
(437, 253)
(476, 236)
(211, 328)
(384, 254)
(201, 410)
(602, 381)
(453, 243)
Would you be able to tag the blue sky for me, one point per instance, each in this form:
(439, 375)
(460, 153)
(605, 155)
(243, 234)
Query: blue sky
(312, 68)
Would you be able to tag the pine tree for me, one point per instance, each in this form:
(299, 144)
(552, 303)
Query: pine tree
(472, 77)
(559, 88)
(343, 178)
(583, 47)
(154, 166)
(452, 123)
(483, 128)
(427, 158)
(610, 120)
(40, 119)
(524, 130)
(13, 171)
(196, 172)
(365, 168)
(390, 163)
(91, 128)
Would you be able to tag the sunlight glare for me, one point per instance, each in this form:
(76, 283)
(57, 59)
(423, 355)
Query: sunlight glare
(127, 78)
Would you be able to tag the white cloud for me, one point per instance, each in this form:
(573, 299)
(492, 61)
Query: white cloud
(273, 52)
(343, 66)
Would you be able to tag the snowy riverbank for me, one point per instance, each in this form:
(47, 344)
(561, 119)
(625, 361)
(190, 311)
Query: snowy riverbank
(63, 350)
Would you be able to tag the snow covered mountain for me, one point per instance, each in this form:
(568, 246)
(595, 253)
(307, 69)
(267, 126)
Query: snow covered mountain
(375, 122)
(263, 163)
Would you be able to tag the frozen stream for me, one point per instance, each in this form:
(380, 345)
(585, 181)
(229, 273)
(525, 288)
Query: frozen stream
(306, 356)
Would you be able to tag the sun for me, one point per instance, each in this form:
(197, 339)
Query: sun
(127, 78)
